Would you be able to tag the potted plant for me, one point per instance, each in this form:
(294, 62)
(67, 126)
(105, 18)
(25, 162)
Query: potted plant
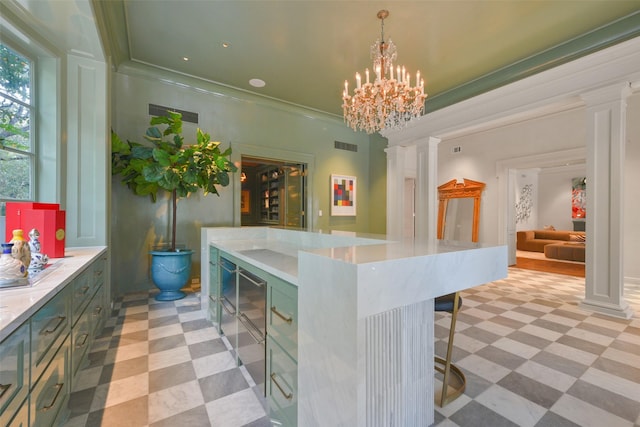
(167, 164)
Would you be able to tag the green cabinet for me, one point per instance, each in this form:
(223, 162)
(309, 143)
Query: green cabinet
(14, 375)
(282, 351)
(39, 360)
(50, 394)
(280, 319)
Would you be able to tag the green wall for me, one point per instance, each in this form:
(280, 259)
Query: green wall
(251, 125)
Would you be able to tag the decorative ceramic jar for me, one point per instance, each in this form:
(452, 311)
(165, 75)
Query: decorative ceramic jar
(11, 269)
(20, 248)
(38, 260)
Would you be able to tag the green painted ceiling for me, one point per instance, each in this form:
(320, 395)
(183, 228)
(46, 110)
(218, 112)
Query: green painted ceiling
(304, 50)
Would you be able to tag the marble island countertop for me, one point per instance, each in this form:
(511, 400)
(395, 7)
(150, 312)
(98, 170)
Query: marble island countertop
(18, 304)
(357, 297)
(270, 252)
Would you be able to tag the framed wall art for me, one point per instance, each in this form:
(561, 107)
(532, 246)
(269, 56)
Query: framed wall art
(343, 195)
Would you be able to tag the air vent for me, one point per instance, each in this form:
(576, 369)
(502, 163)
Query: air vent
(159, 110)
(457, 149)
(345, 146)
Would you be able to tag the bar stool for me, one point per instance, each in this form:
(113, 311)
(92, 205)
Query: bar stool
(450, 303)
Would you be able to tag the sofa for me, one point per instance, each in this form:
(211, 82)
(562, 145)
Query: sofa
(536, 240)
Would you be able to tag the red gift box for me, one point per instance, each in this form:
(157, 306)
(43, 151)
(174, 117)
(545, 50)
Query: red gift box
(47, 218)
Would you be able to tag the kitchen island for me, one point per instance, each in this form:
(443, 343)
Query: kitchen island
(364, 318)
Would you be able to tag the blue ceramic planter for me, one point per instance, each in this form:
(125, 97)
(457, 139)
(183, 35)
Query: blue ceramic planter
(170, 271)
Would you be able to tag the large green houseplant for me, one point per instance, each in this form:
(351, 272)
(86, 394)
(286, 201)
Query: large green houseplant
(168, 164)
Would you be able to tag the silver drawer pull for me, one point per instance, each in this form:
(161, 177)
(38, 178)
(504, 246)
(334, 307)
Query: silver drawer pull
(224, 267)
(83, 290)
(84, 341)
(261, 283)
(97, 310)
(224, 302)
(3, 389)
(59, 387)
(280, 315)
(287, 396)
(252, 329)
(60, 319)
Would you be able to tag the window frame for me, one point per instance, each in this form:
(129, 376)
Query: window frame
(32, 153)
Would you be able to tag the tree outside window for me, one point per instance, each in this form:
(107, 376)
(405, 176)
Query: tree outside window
(16, 112)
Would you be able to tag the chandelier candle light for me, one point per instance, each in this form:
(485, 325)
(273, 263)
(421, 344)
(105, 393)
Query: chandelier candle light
(387, 103)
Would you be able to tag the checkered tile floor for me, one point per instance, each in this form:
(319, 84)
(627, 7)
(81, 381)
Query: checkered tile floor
(531, 356)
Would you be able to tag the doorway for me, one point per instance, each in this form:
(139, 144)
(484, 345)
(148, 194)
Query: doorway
(273, 192)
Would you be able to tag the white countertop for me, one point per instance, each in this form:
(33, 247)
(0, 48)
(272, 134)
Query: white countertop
(280, 257)
(18, 304)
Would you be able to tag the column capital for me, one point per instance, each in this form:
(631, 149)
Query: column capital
(606, 94)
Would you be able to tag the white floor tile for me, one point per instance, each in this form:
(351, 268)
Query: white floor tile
(545, 375)
(174, 400)
(519, 410)
(585, 414)
(235, 410)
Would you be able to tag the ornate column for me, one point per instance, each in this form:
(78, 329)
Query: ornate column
(396, 158)
(426, 189)
(606, 134)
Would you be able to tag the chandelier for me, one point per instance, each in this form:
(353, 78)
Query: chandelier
(385, 103)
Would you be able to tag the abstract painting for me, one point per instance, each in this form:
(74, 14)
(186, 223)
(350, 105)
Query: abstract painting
(343, 195)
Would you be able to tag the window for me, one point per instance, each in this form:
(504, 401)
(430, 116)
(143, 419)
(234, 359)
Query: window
(17, 156)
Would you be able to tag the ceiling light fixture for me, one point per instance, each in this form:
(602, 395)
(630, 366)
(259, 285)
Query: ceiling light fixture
(387, 103)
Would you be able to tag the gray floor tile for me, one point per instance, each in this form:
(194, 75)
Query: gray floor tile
(480, 334)
(553, 326)
(160, 379)
(607, 400)
(167, 343)
(124, 369)
(505, 321)
(623, 370)
(529, 339)
(133, 413)
(501, 357)
(532, 390)
(206, 348)
(159, 322)
(475, 414)
(222, 384)
(583, 345)
(551, 419)
(559, 363)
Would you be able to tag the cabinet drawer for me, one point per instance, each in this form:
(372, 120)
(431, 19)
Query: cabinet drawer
(98, 272)
(282, 384)
(80, 341)
(49, 328)
(14, 373)
(82, 291)
(97, 311)
(50, 394)
(282, 315)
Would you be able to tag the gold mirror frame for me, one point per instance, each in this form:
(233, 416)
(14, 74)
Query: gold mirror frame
(458, 190)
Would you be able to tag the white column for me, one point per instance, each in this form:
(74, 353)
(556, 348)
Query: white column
(427, 190)
(395, 191)
(606, 126)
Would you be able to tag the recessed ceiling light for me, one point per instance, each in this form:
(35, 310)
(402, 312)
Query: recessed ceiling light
(226, 44)
(185, 58)
(257, 83)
